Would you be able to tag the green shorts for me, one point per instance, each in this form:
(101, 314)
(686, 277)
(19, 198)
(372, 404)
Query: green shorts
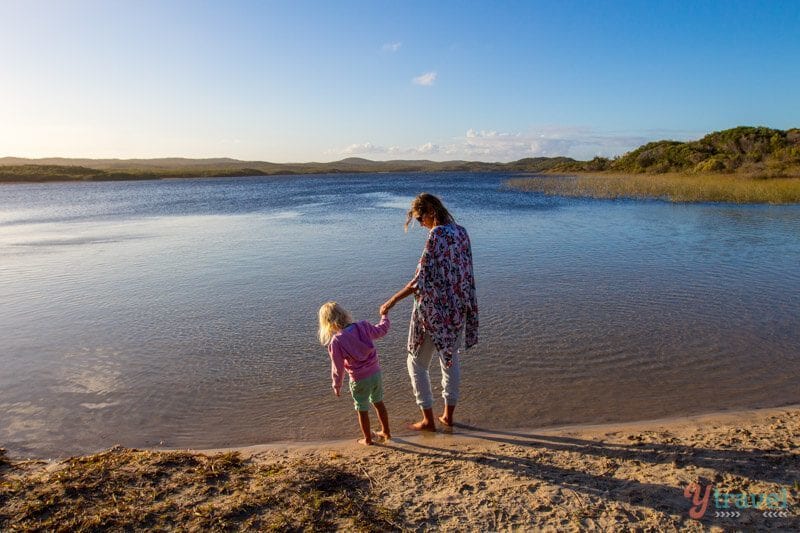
(366, 391)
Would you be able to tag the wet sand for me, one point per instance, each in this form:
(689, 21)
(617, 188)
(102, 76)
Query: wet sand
(633, 475)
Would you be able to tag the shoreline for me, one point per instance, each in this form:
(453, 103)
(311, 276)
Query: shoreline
(287, 174)
(458, 434)
(462, 433)
(639, 475)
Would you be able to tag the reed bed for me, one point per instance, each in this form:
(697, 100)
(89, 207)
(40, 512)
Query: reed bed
(671, 187)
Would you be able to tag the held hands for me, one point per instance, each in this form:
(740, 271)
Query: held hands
(386, 307)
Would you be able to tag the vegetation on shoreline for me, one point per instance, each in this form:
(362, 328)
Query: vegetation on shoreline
(60, 173)
(45, 173)
(753, 152)
(739, 165)
(671, 187)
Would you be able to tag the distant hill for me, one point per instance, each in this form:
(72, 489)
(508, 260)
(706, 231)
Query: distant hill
(753, 151)
(15, 169)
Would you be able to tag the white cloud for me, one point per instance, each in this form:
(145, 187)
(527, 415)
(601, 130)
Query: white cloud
(428, 148)
(473, 134)
(426, 79)
(370, 149)
(493, 145)
(551, 141)
(361, 149)
(391, 47)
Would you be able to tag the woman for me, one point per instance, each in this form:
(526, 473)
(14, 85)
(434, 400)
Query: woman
(445, 313)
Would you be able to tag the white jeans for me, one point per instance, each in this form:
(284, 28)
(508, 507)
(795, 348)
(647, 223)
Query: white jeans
(419, 364)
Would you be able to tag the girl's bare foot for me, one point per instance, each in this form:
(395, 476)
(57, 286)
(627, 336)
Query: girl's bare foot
(383, 436)
(365, 442)
(446, 421)
(423, 425)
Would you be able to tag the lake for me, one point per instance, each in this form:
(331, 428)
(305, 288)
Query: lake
(182, 313)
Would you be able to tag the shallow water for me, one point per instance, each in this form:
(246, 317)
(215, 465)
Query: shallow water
(182, 313)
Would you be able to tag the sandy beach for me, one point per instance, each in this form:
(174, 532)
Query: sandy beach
(730, 470)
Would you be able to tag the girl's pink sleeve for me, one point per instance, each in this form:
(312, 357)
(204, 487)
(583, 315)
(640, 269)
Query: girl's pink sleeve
(380, 329)
(337, 366)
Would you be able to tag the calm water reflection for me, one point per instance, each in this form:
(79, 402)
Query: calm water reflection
(183, 312)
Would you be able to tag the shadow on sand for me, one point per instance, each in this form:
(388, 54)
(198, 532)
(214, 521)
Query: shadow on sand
(780, 467)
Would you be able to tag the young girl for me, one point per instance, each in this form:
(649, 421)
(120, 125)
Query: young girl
(350, 348)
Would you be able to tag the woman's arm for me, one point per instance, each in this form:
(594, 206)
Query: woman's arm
(402, 293)
(411, 286)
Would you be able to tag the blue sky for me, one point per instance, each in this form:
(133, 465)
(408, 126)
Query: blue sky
(323, 80)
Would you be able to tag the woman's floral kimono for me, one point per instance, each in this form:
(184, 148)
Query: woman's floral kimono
(444, 297)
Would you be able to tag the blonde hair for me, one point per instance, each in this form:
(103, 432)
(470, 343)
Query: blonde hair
(332, 319)
(428, 204)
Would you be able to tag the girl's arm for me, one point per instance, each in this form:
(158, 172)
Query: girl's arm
(337, 368)
(380, 329)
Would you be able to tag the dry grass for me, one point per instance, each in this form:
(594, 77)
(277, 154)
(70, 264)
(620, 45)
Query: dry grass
(672, 187)
(133, 490)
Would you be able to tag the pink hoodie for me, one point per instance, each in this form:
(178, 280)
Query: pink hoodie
(351, 349)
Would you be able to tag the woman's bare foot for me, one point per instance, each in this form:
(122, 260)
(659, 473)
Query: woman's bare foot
(447, 416)
(423, 425)
(426, 424)
(383, 436)
(446, 421)
(365, 442)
